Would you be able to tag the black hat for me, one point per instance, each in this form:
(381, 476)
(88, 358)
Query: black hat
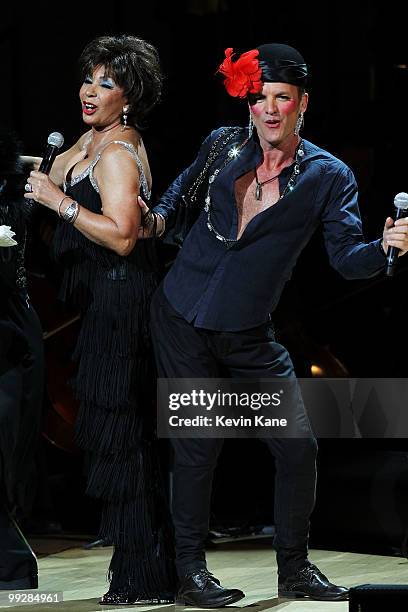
(282, 64)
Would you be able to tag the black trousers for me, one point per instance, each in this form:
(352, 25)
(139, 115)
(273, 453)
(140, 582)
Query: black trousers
(21, 400)
(18, 564)
(183, 351)
(21, 390)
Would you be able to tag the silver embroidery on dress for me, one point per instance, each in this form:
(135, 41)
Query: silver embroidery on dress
(89, 169)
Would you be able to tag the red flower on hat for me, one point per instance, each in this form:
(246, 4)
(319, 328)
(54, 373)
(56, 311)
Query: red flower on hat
(242, 76)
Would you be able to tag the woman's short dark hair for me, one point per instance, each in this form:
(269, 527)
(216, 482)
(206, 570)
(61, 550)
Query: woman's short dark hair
(133, 64)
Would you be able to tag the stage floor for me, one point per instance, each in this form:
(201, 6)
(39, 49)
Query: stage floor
(80, 574)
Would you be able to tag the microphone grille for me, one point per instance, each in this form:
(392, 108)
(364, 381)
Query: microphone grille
(57, 140)
(401, 200)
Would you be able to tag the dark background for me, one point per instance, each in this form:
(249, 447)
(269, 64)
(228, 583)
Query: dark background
(358, 59)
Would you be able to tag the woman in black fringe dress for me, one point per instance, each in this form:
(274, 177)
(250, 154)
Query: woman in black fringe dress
(110, 277)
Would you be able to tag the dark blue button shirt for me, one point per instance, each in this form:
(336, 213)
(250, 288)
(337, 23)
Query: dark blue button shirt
(236, 288)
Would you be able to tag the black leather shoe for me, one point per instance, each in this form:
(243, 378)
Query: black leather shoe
(202, 590)
(310, 582)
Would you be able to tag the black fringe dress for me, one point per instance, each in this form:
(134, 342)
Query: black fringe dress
(115, 384)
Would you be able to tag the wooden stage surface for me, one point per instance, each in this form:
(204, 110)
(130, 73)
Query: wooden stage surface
(80, 574)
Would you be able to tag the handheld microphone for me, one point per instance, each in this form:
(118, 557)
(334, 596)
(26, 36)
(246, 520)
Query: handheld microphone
(54, 143)
(401, 204)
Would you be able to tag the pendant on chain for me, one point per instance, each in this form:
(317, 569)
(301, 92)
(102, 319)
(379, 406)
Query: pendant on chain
(258, 191)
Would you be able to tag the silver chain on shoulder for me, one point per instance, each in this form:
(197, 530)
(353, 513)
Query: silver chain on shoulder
(218, 145)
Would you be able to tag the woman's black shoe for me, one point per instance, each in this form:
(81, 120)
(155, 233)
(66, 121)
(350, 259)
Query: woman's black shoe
(202, 590)
(125, 597)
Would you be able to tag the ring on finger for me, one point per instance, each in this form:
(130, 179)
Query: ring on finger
(28, 188)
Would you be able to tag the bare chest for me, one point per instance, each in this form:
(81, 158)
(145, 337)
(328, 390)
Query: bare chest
(248, 206)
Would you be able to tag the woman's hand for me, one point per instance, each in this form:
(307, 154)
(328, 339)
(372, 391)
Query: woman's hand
(43, 190)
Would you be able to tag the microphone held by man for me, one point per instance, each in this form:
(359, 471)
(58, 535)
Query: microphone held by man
(401, 205)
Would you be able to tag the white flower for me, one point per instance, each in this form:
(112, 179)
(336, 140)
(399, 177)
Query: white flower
(6, 236)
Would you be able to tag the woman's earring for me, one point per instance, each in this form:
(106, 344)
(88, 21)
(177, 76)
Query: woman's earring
(250, 125)
(124, 117)
(299, 123)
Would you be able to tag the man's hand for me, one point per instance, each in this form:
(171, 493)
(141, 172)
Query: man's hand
(396, 234)
(152, 223)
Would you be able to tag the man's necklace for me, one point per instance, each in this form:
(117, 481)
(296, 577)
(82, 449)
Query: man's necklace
(229, 242)
(260, 184)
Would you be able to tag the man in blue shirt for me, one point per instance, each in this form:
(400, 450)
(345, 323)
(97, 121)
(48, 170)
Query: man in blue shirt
(266, 192)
